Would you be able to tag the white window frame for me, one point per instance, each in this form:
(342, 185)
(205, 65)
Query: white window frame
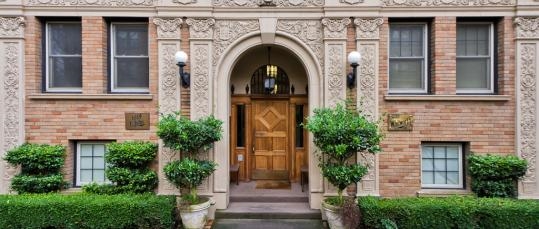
(78, 182)
(491, 53)
(425, 59)
(47, 55)
(460, 185)
(113, 55)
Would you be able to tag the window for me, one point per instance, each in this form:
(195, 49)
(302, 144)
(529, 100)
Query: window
(240, 125)
(408, 58)
(299, 126)
(441, 166)
(129, 57)
(63, 59)
(475, 59)
(90, 163)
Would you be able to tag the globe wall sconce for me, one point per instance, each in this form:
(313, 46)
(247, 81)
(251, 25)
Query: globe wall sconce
(181, 59)
(353, 59)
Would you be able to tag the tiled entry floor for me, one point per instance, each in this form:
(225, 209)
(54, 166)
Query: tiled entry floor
(248, 190)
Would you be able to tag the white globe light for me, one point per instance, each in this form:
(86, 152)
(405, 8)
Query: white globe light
(354, 57)
(181, 57)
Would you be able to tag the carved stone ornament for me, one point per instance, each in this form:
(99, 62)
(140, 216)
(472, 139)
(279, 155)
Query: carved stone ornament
(308, 31)
(336, 74)
(201, 28)
(11, 27)
(259, 3)
(527, 27)
(335, 28)
(103, 3)
(168, 102)
(168, 27)
(352, 2)
(185, 2)
(368, 28)
(367, 81)
(200, 101)
(228, 31)
(528, 108)
(418, 3)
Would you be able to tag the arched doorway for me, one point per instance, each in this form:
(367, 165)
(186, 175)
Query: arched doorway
(269, 101)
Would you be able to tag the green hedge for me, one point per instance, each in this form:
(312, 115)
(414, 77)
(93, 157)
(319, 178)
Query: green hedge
(451, 212)
(86, 211)
(495, 175)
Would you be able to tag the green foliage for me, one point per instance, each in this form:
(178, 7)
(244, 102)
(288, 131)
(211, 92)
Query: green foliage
(38, 183)
(86, 211)
(188, 173)
(101, 189)
(131, 154)
(180, 133)
(494, 175)
(133, 180)
(340, 133)
(37, 159)
(451, 212)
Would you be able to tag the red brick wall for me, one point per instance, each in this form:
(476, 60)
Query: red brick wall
(487, 126)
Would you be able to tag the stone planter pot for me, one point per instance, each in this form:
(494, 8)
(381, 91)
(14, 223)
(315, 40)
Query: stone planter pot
(333, 215)
(194, 216)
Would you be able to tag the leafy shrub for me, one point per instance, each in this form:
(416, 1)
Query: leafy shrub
(40, 168)
(495, 176)
(86, 211)
(189, 173)
(133, 154)
(101, 189)
(130, 180)
(451, 212)
(37, 159)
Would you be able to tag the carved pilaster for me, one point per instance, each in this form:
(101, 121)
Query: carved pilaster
(368, 28)
(420, 3)
(11, 27)
(168, 33)
(335, 85)
(527, 27)
(335, 28)
(200, 28)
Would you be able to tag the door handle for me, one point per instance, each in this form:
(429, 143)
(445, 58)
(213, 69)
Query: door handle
(253, 150)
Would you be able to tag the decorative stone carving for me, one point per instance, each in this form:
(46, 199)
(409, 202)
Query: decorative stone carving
(200, 101)
(528, 108)
(169, 99)
(308, 31)
(228, 31)
(103, 3)
(258, 3)
(419, 3)
(201, 28)
(368, 28)
(335, 73)
(11, 27)
(352, 2)
(367, 81)
(527, 27)
(335, 28)
(185, 2)
(168, 28)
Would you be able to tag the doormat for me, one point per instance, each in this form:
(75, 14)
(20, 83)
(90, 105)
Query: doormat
(272, 184)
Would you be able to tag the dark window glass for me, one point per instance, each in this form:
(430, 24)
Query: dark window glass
(64, 48)
(299, 127)
(240, 126)
(130, 57)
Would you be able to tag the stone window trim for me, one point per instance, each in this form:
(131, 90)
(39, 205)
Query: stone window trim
(425, 166)
(425, 58)
(492, 87)
(111, 23)
(46, 22)
(78, 180)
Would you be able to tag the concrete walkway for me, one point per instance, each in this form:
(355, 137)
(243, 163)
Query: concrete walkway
(268, 224)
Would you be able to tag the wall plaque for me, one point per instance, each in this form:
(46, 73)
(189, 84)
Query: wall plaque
(401, 122)
(137, 121)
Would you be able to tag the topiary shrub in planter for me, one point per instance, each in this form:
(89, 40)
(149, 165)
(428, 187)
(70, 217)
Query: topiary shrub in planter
(127, 168)
(340, 134)
(191, 138)
(40, 168)
(494, 175)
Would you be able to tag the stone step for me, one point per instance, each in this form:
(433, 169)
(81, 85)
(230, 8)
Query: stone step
(264, 210)
(268, 224)
(270, 199)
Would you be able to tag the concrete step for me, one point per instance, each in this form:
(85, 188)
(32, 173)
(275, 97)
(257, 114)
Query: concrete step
(264, 210)
(268, 224)
(270, 199)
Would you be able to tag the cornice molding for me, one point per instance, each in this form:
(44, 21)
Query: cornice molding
(416, 3)
(101, 3)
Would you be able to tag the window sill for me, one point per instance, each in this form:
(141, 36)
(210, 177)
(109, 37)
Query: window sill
(72, 190)
(443, 192)
(90, 97)
(500, 98)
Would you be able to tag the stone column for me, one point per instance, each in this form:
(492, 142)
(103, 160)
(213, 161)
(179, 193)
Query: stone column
(168, 43)
(527, 37)
(201, 47)
(368, 39)
(335, 36)
(11, 93)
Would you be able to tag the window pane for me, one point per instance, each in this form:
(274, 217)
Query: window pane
(99, 163)
(85, 176)
(86, 162)
(452, 178)
(131, 40)
(427, 152)
(427, 164)
(395, 49)
(99, 150)
(131, 72)
(428, 178)
(406, 41)
(439, 152)
(99, 176)
(65, 72)
(240, 126)
(65, 38)
(453, 165)
(439, 165)
(299, 127)
(440, 178)
(406, 74)
(452, 152)
(473, 73)
(86, 150)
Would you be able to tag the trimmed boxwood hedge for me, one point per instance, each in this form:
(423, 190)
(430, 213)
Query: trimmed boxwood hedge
(450, 212)
(86, 211)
